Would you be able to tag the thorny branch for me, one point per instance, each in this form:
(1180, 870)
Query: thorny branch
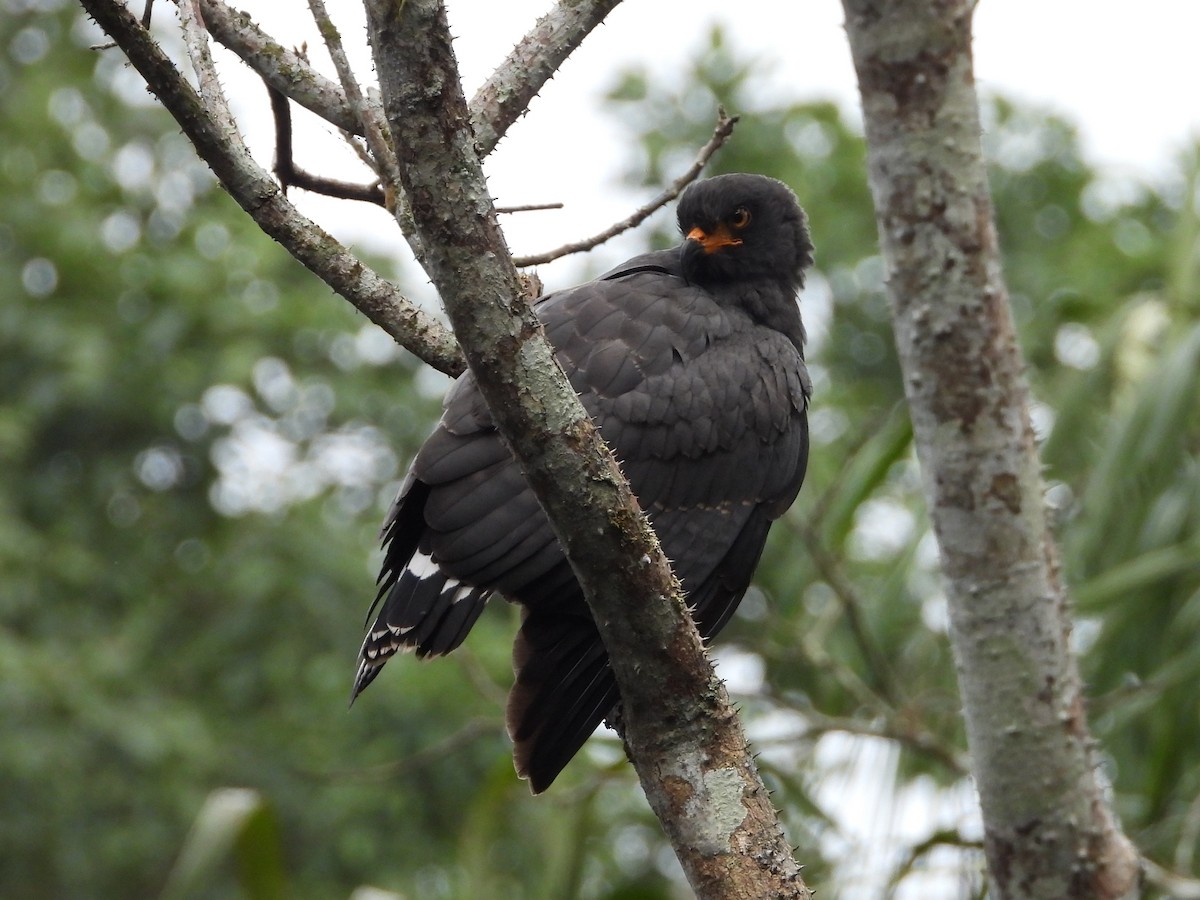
(696, 769)
(497, 105)
(195, 38)
(721, 133)
(374, 128)
(282, 69)
(533, 61)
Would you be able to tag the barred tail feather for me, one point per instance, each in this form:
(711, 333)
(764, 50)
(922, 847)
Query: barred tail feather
(425, 611)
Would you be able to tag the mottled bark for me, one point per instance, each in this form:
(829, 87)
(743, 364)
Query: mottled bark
(680, 731)
(1049, 829)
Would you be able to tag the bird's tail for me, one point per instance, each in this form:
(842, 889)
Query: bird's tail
(564, 689)
(424, 610)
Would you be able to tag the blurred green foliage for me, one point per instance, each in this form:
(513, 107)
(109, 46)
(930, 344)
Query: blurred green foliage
(197, 442)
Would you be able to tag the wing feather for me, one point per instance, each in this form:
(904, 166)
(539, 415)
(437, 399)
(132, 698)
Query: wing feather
(704, 409)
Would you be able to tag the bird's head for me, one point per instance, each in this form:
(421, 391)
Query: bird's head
(744, 228)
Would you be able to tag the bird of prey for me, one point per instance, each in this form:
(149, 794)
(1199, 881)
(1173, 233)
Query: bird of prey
(691, 363)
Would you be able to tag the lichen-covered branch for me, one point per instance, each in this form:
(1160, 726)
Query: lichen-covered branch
(503, 98)
(284, 70)
(260, 196)
(506, 95)
(684, 739)
(1049, 830)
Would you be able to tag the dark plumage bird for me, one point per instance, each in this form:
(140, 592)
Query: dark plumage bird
(691, 362)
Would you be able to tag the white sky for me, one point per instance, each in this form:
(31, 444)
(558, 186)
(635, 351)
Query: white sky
(1126, 73)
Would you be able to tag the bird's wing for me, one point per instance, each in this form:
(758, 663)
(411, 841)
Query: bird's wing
(704, 411)
(707, 415)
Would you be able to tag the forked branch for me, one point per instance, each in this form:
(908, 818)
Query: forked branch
(291, 175)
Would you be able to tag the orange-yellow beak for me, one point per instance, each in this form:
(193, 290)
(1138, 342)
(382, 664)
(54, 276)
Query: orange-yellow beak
(714, 240)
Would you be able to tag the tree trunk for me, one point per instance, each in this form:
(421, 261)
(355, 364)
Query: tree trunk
(1049, 830)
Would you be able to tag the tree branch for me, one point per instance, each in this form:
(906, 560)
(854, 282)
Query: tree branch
(684, 739)
(195, 38)
(506, 95)
(498, 104)
(882, 674)
(721, 133)
(283, 70)
(528, 207)
(290, 175)
(368, 114)
(890, 728)
(1049, 831)
(1178, 887)
(259, 195)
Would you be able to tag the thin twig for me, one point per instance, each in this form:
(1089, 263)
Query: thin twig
(528, 207)
(943, 838)
(1186, 847)
(922, 742)
(355, 143)
(469, 733)
(259, 195)
(481, 679)
(290, 175)
(857, 446)
(1179, 887)
(721, 133)
(817, 654)
(889, 727)
(374, 129)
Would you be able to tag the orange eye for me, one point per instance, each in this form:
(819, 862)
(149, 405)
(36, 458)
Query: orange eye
(740, 217)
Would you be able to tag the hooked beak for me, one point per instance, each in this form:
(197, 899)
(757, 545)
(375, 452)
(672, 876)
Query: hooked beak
(714, 240)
